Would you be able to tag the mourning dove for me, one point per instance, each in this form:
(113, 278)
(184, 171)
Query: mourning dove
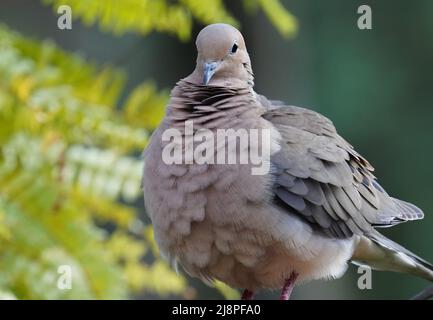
(315, 210)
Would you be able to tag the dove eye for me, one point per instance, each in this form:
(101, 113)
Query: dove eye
(234, 49)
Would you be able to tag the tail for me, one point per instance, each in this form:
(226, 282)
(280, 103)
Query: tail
(381, 253)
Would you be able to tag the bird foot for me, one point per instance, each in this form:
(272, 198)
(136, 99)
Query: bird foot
(289, 284)
(247, 295)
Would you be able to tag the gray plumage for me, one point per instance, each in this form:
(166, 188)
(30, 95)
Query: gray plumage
(316, 210)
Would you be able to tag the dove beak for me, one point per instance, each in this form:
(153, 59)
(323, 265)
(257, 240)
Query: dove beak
(209, 71)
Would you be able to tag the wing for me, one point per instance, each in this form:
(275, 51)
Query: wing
(320, 177)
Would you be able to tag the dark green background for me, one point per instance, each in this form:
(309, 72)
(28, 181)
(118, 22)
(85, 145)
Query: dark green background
(376, 86)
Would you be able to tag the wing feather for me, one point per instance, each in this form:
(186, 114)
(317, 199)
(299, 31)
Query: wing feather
(322, 178)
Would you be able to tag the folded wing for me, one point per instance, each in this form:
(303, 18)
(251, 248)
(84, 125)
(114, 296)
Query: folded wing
(320, 177)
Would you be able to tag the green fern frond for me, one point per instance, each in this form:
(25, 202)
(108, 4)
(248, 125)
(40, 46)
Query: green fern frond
(209, 11)
(169, 16)
(282, 19)
(67, 155)
(142, 16)
(137, 107)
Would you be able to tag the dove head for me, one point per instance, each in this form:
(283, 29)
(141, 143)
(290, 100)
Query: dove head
(222, 57)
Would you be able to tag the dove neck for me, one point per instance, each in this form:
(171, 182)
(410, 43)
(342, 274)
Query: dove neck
(213, 106)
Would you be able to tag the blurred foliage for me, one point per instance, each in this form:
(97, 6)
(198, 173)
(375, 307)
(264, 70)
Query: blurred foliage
(70, 168)
(172, 16)
(67, 156)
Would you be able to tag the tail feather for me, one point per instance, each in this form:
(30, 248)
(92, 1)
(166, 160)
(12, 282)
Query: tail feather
(381, 253)
(424, 295)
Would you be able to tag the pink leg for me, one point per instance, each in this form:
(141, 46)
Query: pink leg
(247, 295)
(289, 284)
